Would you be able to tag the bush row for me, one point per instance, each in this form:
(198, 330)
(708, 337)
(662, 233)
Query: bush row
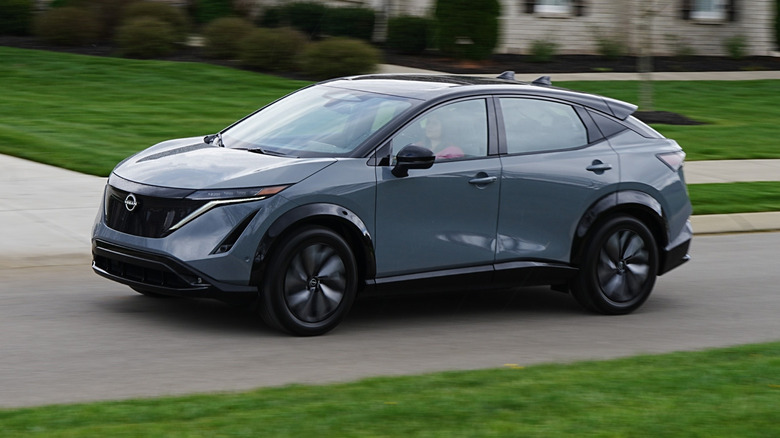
(104, 20)
(317, 19)
(17, 16)
(287, 49)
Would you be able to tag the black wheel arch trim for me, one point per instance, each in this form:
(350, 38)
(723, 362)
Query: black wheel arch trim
(639, 204)
(335, 216)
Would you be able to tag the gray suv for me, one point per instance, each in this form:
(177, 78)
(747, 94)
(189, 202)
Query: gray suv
(401, 182)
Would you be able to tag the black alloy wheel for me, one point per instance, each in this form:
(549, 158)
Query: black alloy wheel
(619, 267)
(310, 284)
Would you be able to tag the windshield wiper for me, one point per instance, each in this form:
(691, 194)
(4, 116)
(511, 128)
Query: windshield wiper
(259, 150)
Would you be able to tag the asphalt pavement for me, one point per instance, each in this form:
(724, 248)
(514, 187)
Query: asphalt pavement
(46, 212)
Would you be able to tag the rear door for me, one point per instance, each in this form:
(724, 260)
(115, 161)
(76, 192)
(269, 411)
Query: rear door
(553, 170)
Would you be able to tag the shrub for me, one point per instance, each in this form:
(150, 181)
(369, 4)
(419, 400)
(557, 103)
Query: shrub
(543, 50)
(205, 11)
(161, 11)
(146, 37)
(272, 49)
(68, 26)
(15, 17)
(223, 37)
(610, 48)
(108, 12)
(335, 57)
(270, 16)
(349, 22)
(467, 29)
(407, 34)
(777, 24)
(680, 47)
(304, 16)
(735, 46)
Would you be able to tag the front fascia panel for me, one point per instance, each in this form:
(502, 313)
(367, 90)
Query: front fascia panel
(193, 243)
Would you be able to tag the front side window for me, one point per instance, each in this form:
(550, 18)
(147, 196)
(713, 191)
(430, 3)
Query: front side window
(533, 125)
(454, 131)
(316, 121)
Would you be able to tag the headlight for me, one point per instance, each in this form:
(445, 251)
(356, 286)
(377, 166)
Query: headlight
(245, 194)
(221, 197)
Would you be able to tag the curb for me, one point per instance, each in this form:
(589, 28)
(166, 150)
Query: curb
(736, 223)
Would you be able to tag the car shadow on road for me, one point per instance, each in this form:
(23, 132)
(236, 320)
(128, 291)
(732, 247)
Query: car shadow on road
(381, 311)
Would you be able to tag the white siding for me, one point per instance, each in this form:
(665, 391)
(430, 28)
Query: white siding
(615, 19)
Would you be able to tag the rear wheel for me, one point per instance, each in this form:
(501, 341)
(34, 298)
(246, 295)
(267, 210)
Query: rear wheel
(619, 267)
(310, 283)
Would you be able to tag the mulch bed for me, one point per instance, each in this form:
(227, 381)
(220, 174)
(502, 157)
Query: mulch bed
(584, 64)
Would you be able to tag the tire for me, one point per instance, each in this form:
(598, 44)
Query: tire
(618, 268)
(310, 283)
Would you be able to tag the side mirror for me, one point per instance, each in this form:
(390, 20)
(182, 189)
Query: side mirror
(412, 157)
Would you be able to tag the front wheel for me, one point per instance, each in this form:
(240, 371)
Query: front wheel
(310, 283)
(619, 267)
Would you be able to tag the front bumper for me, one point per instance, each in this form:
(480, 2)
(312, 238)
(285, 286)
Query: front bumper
(160, 274)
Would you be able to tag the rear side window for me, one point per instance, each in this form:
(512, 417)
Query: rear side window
(533, 125)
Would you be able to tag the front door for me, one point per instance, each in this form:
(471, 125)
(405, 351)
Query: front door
(444, 217)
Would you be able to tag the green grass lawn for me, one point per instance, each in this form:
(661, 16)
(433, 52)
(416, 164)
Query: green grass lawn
(732, 392)
(742, 116)
(88, 113)
(743, 197)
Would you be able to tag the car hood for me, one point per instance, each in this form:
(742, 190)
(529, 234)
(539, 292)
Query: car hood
(190, 163)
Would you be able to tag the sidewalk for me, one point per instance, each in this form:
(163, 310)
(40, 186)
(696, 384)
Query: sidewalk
(46, 213)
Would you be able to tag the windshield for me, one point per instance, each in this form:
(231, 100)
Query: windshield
(316, 121)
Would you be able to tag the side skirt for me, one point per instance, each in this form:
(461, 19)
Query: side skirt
(498, 276)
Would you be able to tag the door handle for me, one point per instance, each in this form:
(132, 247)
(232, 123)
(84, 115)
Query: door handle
(479, 181)
(598, 167)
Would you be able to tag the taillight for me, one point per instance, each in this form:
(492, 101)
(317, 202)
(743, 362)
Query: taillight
(674, 160)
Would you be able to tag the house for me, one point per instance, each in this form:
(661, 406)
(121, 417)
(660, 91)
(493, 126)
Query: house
(664, 27)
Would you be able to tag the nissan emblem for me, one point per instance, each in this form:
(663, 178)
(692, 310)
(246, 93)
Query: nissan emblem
(130, 202)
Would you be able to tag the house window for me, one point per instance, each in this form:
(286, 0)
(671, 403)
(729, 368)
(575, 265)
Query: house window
(714, 10)
(709, 10)
(553, 7)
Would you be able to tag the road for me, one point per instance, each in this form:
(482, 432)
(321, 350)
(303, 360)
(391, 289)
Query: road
(69, 335)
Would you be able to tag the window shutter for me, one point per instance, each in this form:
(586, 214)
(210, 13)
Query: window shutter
(731, 10)
(529, 6)
(579, 8)
(686, 9)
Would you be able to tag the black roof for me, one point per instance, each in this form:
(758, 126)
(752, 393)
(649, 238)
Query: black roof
(428, 87)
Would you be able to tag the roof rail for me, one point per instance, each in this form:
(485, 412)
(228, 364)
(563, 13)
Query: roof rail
(508, 75)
